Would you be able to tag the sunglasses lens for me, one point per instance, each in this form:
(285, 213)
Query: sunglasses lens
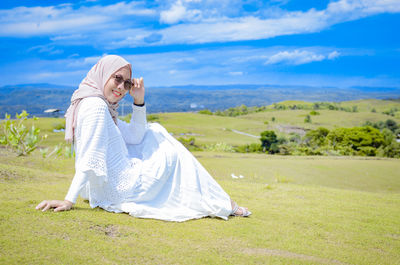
(127, 85)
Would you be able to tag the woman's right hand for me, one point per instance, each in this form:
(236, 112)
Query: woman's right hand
(137, 90)
(57, 205)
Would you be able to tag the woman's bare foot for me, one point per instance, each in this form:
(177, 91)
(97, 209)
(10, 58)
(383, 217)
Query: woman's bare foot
(239, 211)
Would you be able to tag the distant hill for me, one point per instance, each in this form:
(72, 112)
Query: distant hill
(35, 98)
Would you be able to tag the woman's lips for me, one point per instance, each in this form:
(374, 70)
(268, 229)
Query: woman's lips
(116, 93)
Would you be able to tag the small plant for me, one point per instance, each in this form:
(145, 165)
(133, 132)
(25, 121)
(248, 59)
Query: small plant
(17, 136)
(273, 119)
(152, 118)
(205, 111)
(220, 147)
(59, 150)
(268, 186)
(307, 119)
(189, 143)
(59, 126)
(281, 179)
(313, 112)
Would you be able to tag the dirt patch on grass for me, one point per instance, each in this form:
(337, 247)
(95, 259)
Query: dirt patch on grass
(394, 236)
(108, 230)
(9, 175)
(291, 129)
(288, 254)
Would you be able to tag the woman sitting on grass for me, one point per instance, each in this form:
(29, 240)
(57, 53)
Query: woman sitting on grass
(136, 168)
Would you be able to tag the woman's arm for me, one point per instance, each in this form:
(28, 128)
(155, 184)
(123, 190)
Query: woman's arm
(134, 132)
(77, 184)
(93, 117)
(79, 181)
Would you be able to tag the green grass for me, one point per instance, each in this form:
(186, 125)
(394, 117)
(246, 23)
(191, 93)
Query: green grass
(306, 210)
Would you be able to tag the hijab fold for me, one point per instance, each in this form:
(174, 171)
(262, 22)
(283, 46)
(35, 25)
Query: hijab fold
(93, 86)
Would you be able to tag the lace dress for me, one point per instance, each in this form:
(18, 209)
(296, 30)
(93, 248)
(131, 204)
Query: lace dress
(140, 169)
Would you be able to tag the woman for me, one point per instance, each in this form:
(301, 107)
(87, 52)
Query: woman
(137, 168)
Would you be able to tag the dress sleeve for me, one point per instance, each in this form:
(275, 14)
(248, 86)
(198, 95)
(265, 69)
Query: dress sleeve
(92, 137)
(77, 184)
(134, 132)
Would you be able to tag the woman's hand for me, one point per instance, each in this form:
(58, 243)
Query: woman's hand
(58, 205)
(137, 90)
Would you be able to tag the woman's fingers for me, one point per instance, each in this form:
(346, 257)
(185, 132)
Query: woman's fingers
(46, 207)
(138, 82)
(60, 208)
(41, 205)
(58, 205)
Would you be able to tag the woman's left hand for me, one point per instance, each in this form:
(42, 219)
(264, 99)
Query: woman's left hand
(137, 90)
(57, 205)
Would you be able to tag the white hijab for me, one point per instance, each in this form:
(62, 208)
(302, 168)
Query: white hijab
(93, 86)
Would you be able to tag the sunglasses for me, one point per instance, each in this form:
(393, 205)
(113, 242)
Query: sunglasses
(118, 79)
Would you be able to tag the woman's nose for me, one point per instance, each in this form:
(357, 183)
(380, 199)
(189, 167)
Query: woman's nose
(121, 86)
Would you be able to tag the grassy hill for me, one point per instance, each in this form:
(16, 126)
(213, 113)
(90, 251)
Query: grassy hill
(306, 210)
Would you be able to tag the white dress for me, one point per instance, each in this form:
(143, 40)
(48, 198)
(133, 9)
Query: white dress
(140, 169)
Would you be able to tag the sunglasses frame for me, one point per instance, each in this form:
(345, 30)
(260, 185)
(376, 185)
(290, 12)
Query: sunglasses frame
(118, 79)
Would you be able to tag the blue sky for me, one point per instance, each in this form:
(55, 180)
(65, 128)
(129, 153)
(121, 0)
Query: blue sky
(338, 43)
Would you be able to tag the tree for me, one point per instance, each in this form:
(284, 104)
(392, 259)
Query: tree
(269, 142)
(391, 125)
(357, 140)
(316, 137)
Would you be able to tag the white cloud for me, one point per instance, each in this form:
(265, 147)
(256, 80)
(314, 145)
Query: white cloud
(235, 73)
(199, 66)
(297, 57)
(82, 62)
(222, 29)
(333, 55)
(178, 12)
(198, 21)
(173, 15)
(49, 49)
(65, 20)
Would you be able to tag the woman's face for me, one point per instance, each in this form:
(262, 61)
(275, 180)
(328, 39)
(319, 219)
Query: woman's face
(114, 91)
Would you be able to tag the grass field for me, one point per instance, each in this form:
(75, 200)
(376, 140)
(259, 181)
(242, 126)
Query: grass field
(306, 210)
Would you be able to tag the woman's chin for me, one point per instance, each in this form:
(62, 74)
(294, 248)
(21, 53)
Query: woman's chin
(113, 99)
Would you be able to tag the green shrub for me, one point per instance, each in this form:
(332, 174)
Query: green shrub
(316, 137)
(205, 111)
(220, 147)
(58, 125)
(351, 141)
(313, 112)
(249, 148)
(152, 117)
(17, 136)
(59, 150)
(285, 149)
(189, 143)
(307, 119)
